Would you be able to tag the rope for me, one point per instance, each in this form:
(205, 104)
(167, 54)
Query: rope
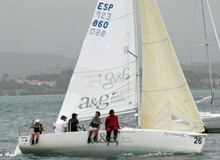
(127, 125)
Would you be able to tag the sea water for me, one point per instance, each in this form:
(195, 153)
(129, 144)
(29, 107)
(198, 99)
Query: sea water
(19, 111)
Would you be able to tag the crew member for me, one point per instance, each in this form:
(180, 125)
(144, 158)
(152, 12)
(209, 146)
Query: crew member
(111, 123)
(38, 128)
(73, 124)
(94, 126)
(60, 126)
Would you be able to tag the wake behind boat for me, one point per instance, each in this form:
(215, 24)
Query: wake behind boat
(107, 77)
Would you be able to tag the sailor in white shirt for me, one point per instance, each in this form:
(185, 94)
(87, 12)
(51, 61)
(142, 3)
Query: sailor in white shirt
(60, 126)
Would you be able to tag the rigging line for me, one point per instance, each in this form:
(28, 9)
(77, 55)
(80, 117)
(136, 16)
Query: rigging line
(70, 34)
(128, 125)
(127, 43)
(217, 39)
(208, 56)
(132, 54)
(197, 45)
(157, 41)
(121, 17)
(213, 24)
(159, 90)
(214, 28)
(191, 30)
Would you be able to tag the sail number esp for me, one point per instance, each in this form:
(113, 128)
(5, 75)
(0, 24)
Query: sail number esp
(103, 16)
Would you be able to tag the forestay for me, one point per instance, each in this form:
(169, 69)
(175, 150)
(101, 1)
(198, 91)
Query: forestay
(167, 103)
(105, 74)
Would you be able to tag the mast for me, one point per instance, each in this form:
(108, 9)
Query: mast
(135, 2)
(208, 56)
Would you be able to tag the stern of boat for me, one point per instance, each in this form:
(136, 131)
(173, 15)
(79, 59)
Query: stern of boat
(197, 141)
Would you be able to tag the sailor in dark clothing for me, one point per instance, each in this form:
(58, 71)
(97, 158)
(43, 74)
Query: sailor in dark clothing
(94, 127)
(73, 124)
(38, 128)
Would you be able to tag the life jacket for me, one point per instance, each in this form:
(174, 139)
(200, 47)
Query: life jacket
(39, 129)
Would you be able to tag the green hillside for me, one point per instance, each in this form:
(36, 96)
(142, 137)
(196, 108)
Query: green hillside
(201, 67)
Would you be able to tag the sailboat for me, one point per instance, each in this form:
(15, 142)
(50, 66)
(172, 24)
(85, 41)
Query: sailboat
(204, 100)
(107, 77)
(210, 119)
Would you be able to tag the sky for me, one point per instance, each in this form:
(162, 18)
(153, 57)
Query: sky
(59, 26)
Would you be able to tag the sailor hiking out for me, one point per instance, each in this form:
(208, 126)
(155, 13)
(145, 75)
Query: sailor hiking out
(94, 127)
(38, 128)
(111, 123)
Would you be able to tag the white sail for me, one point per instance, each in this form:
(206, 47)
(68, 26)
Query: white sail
(105, 74)
(167, 103)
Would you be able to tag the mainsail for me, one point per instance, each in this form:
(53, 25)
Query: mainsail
(105, 75)
(167, 103)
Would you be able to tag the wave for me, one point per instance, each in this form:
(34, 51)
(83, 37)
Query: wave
(157, 154)
(7, 154)
(146, 155)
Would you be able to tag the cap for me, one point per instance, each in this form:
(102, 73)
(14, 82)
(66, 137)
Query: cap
(111, 111)
(74, 114)
(63, 117)
(37, 120)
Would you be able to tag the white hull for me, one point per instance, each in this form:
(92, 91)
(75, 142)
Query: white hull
(211, 121)
(135, 141)
(204, 100)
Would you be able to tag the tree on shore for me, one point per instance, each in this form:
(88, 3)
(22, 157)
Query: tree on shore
(6, 75)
